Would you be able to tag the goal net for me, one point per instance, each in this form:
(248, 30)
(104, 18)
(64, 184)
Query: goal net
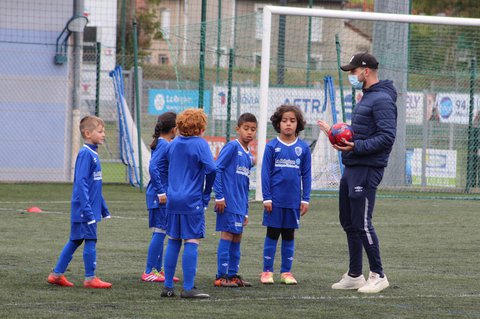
(282, 55)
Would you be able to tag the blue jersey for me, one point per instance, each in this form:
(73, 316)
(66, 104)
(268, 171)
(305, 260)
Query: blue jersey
(87, 199)
(188, 165)
(155, 186)
(286, 173)
(232, 179)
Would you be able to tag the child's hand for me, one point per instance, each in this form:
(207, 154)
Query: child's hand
(162, 199)
(268, 206)
(303, 209)
(245, 222)
(220, 206)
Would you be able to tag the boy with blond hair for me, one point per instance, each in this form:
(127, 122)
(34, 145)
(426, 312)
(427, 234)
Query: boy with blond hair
(87, 209)
(187, 164)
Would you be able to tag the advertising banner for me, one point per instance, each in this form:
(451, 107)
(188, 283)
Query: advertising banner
(161, 101)
(440, 170)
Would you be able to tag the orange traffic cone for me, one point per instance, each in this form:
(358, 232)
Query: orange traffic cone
(34, 209)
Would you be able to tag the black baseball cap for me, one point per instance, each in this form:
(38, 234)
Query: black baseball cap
(361, 60)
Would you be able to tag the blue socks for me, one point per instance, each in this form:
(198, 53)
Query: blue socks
(223, 253)
(234, 261)
(155, 252)
(171, 257)
(65, 257)
(288, 249)
(90, 257)
(269, 249)
(189, 264)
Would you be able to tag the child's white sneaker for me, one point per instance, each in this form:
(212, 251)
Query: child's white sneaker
(348, 282)
(374, 283)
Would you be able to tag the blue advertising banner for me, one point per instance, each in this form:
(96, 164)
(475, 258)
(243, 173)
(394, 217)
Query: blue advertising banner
(161, 101)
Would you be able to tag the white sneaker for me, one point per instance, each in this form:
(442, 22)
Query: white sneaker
(348, 282)
(374, 283)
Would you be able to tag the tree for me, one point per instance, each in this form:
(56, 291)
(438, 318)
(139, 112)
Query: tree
(148, 25)
(454, 8)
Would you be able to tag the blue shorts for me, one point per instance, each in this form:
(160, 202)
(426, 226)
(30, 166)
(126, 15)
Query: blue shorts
(83, 231)
(230, 222)
(282, 218)
(186, 226)
(157, 217)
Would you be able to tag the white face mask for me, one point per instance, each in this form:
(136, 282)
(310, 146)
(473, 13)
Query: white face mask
(355, 82)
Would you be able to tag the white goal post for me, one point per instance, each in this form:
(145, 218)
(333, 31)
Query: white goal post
(268, 11)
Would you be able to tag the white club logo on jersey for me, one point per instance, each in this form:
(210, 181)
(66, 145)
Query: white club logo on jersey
(298, 150)
(240, 153)
(97, 176)
(242, 170)
(278, 149)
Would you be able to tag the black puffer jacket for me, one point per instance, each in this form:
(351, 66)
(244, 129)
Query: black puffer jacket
(374, 123)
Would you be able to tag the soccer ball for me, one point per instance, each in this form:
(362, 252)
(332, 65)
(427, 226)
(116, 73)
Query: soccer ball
(339, 131)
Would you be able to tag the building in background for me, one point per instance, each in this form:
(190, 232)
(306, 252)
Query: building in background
(176, 15)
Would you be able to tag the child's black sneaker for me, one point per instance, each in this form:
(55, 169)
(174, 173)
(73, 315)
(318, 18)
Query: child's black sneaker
(168, 292)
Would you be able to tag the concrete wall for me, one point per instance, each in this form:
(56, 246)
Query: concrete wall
(34, 92)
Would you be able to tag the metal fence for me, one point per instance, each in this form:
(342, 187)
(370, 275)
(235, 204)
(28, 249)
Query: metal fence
(439, 95)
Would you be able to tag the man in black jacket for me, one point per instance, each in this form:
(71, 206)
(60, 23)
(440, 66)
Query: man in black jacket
(374, 122)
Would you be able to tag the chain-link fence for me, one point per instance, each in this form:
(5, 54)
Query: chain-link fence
(434, 68)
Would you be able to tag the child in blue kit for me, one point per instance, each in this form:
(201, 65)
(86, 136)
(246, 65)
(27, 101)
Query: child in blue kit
(165, 131)
(87, 209)
(231, 201)
(286, 184)
(188, 165)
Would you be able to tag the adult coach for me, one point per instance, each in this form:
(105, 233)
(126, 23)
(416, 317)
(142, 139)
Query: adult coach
(374, 122)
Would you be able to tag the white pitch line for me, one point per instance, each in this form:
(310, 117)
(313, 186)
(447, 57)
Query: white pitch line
(63, 213)
(56, 202)
(250, 222)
